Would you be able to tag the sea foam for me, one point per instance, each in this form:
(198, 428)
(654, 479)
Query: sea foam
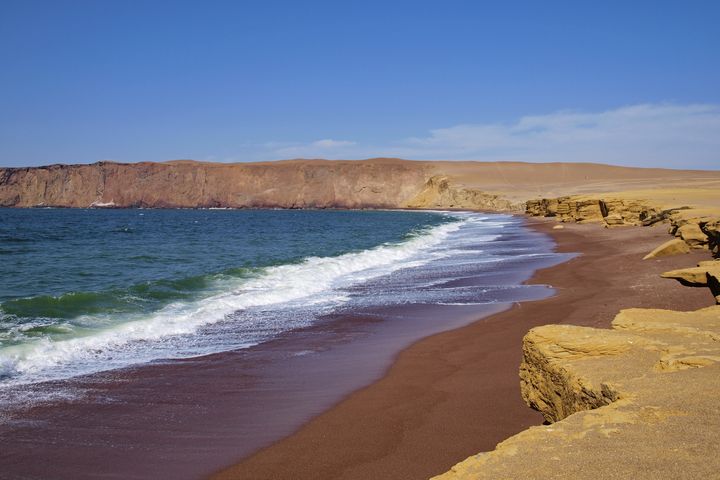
(143, 338)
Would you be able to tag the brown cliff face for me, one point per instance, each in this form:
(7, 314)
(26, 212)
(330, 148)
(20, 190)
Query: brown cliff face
(374, 183)
(290, 184)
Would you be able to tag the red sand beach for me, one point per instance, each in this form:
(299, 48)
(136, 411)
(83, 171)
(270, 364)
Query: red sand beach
(457, 393)
(355, 408)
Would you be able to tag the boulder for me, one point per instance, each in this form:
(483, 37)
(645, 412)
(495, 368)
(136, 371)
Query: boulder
(693, 276)
(614, 219)
(692, 235)
(709, 263)
(671, 247)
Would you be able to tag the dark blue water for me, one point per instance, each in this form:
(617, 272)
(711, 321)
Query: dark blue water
(84, 290)
(52, 252)
(307, 305)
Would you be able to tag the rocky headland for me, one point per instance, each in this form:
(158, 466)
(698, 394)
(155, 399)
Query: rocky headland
(373, 183)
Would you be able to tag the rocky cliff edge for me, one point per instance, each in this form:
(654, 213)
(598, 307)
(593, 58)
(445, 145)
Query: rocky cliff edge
(638, 401)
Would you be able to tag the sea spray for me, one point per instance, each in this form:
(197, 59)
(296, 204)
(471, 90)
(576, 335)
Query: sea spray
(105, 336)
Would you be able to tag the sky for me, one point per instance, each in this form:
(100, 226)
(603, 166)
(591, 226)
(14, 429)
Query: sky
(628, 83)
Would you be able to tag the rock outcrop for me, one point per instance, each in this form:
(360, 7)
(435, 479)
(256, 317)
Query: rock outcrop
(439, 192)
(694, 276)
(637, 401)
(375, 183)
(366, 184)
(611, 211)
(671, 247)
(695, 231)
(706, 274)
(692, 234)
(380, 182)
(698, 232)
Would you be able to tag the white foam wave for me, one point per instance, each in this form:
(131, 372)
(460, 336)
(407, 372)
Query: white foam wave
(314, 281)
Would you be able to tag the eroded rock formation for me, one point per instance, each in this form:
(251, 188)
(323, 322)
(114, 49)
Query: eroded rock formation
(380, 182)
(637, 401)
(611, 211)
(376, 183)
(698, 232)
(671, 247)
(694, 231)
(439, 192)
(706, 274)
(289, 184)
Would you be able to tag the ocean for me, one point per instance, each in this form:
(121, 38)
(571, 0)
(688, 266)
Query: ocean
(91, 290)
(109, 317)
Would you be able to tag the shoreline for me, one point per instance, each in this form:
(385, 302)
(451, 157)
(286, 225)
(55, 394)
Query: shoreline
(187, 418)
(455, 393)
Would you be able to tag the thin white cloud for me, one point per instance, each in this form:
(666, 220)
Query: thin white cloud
(668, 135)
(658, 135)
(325, 148)
(329, 143)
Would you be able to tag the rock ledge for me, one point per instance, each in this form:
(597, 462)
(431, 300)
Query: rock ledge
(638, 401)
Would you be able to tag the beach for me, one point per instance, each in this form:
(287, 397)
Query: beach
(336, 399)
(191, 415)
(359, 240)
(457, 393)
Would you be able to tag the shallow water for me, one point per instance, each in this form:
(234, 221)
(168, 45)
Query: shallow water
(264, 350)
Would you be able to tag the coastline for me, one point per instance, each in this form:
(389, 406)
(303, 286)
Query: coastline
(187, 418)
(455, 393)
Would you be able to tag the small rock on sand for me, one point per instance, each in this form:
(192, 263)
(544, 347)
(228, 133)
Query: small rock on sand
(671, 247)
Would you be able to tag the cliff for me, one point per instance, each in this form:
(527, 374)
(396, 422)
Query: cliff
(637, 401)
(374, 183)
(193, 184)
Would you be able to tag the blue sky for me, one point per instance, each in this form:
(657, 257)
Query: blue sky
(634, 83)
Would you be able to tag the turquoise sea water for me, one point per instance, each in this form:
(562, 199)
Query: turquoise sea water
(86, 291)
(82, 290)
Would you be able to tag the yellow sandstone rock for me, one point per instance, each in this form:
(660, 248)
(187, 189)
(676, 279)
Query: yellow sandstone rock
(608, 210)
(709, 263)
(692, 235)
(693, 276)
(671, 247)
(636, 402)
(439, 192)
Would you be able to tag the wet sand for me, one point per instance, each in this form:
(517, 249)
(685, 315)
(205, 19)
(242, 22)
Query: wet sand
(457, 393)
(442, 399)
(185, 419)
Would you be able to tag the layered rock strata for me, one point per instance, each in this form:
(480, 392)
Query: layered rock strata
(439, 192)
(611, 211)
(637, 401)
(192, 184)
(373, 183)
(376, 183)
(694, 231)
(698, 232)
(706, 274)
